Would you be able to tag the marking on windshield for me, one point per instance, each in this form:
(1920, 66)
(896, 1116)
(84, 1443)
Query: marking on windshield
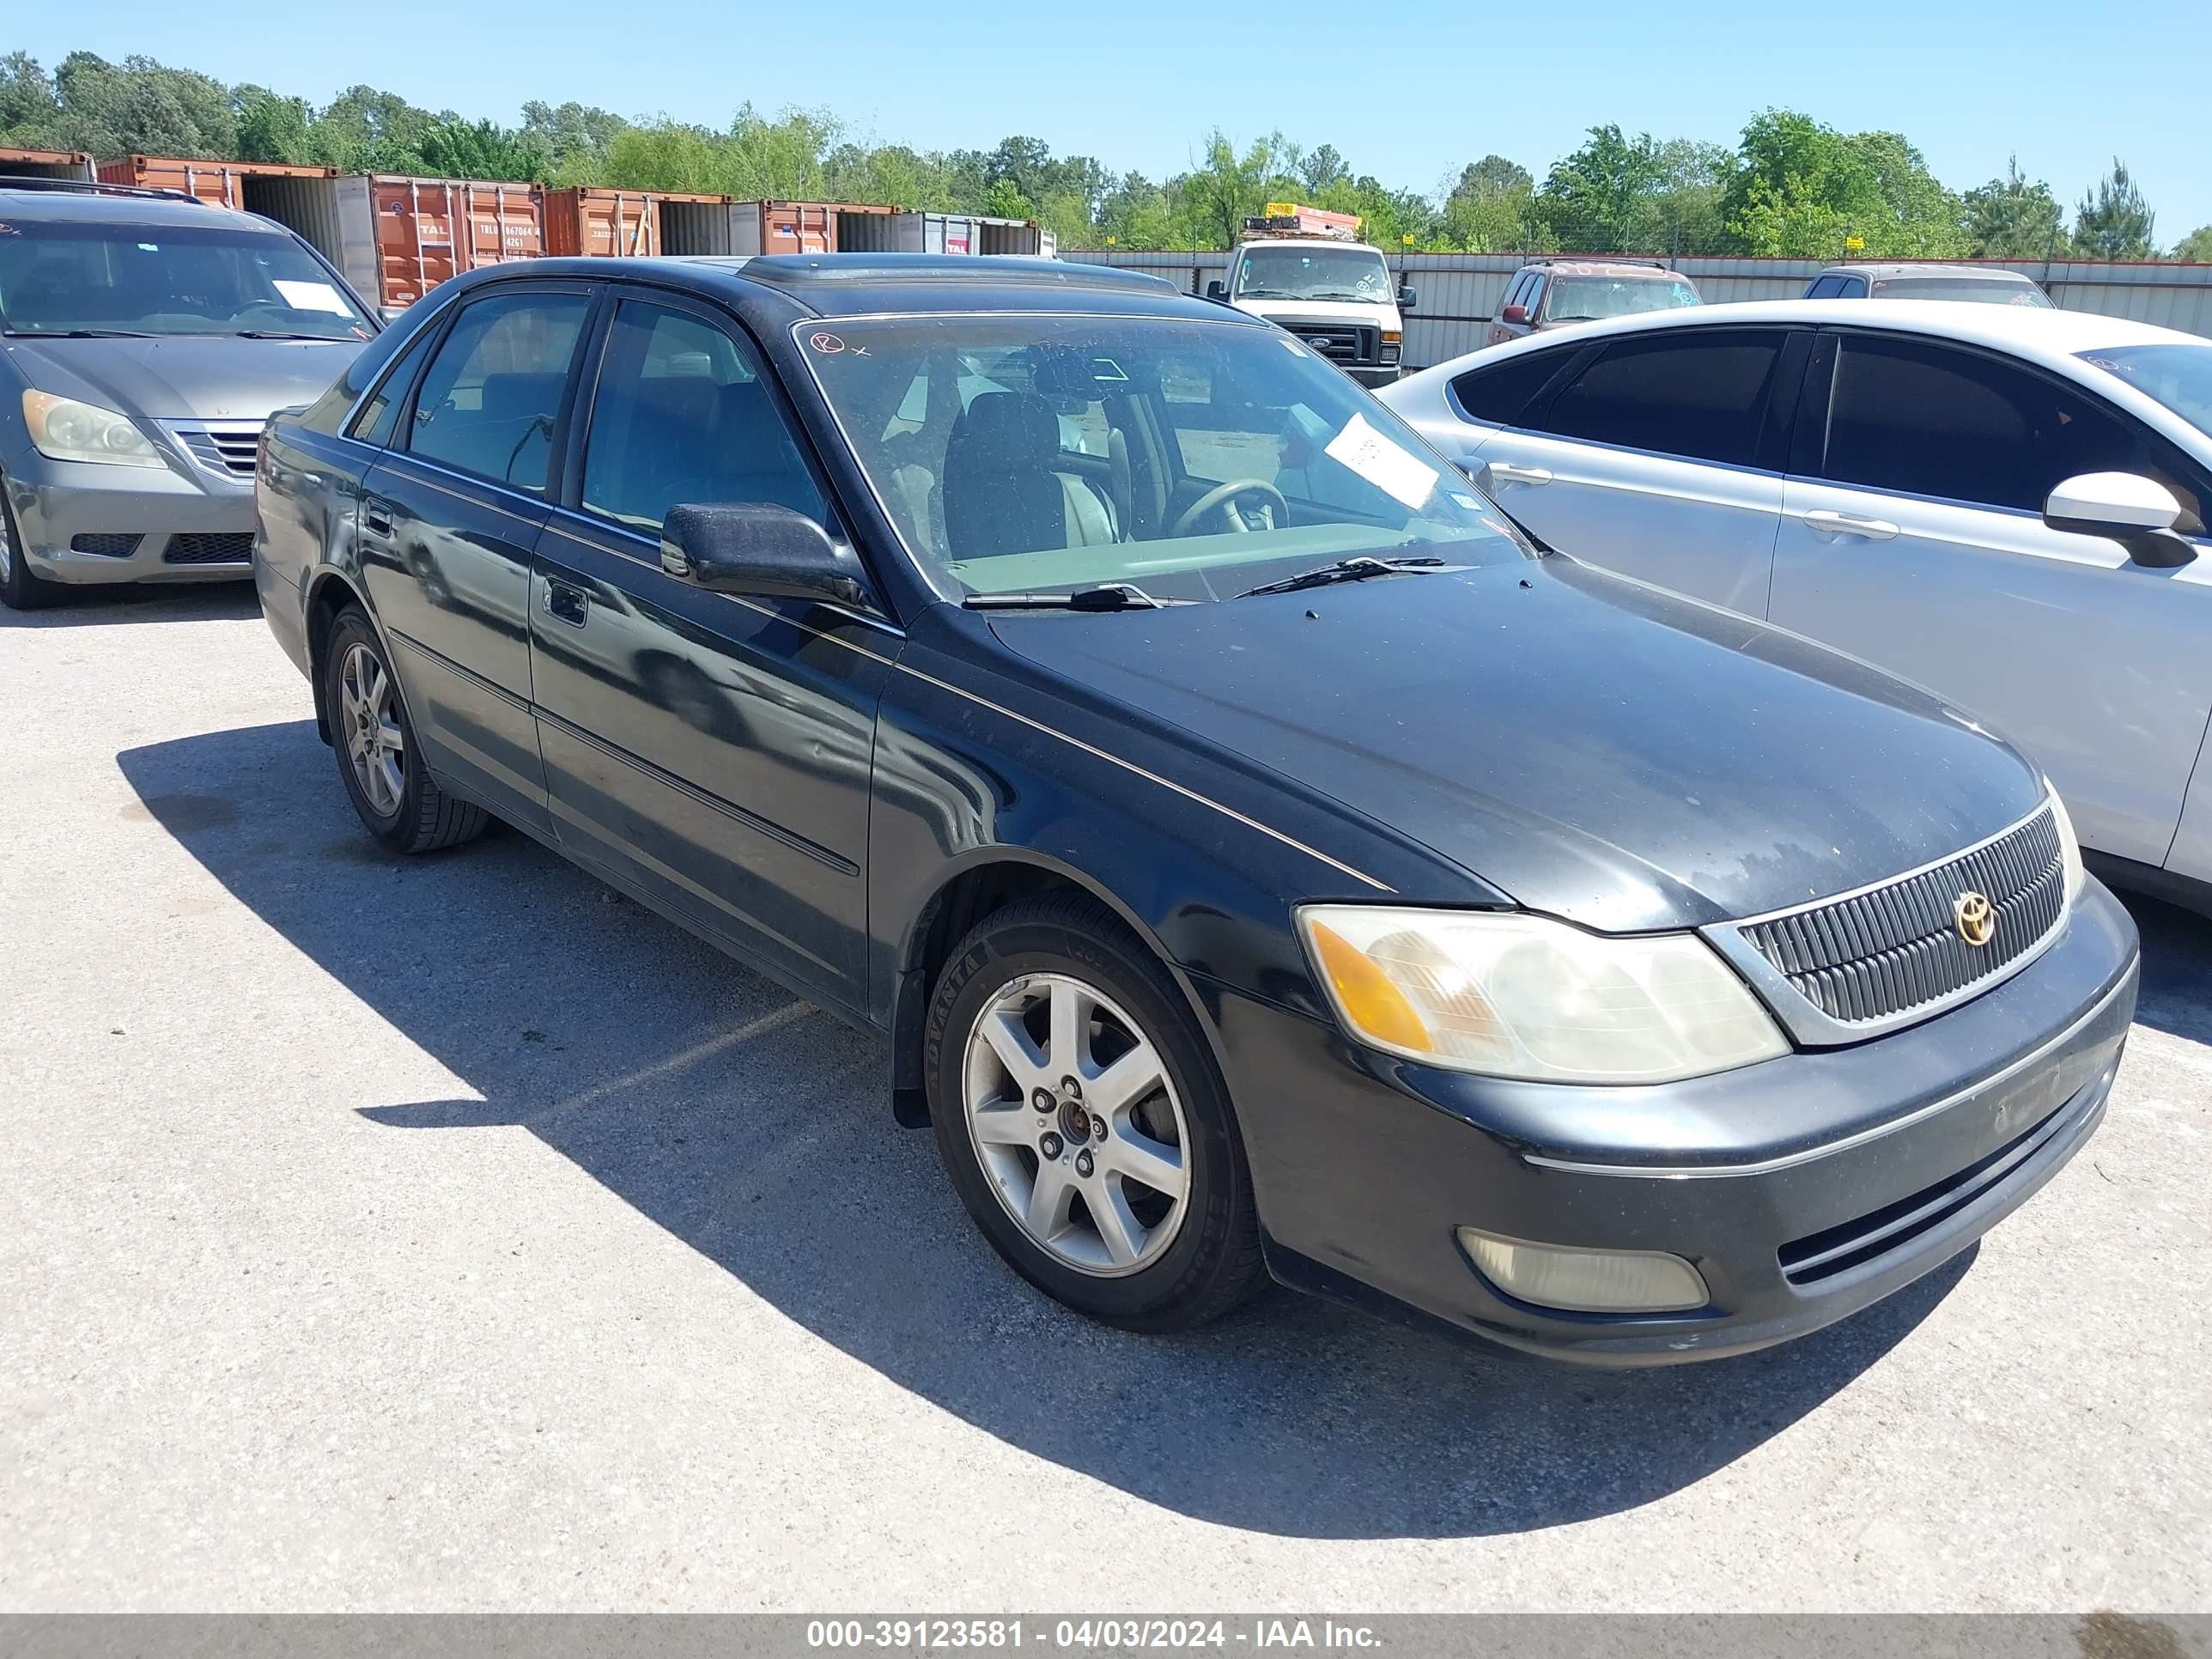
(827, 343)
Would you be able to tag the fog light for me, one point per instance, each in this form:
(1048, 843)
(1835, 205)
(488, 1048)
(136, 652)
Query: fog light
(1586, 1281)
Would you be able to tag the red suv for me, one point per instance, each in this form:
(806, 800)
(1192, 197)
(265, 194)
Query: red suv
(1553, 293)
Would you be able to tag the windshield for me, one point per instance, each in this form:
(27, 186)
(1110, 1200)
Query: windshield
(1584, 299)
(2178, 376)
(1314, 273)
(70, 278)
(1042, 454)
(1988, 290)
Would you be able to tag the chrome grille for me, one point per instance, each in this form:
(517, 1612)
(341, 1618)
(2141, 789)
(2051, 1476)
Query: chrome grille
(226, 547)
(226, 447)
(1340, 343)
(1869, 957)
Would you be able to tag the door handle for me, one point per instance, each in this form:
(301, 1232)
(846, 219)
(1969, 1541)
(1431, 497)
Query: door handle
(1506, 472)
(375, 516)
(1822, 522)
(569, 605)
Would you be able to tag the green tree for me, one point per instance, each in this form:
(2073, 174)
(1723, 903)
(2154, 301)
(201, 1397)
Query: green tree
(28, 108)
(1800, 189)
(1004, 201)
(273, 128)
(2010, 218)
(1599, 199)
(2113, 222)
(1489, 208)
(573, 137)
(1320, 167)
(138, 105)
(2197, 247)
(1225, 188)
(482, 149)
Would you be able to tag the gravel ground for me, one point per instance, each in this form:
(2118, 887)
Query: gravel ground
(449, 1234)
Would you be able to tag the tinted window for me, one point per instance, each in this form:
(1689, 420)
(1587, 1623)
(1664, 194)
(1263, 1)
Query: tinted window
(1926, 420)
(60, 276)
(1851, 287)
(1825, 288)
(381, 414)
(491, 396)
(680, 417)
(1499, 391)
(1699, 395)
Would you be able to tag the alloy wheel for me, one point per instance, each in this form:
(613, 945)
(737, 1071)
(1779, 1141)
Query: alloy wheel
(370, 715)
(1077, 1125)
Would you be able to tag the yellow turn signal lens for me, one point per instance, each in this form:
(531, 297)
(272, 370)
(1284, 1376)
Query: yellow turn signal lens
(1372, 1004)
(1392, 335)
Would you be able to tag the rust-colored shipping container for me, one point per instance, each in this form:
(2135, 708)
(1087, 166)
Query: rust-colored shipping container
(47, 164)
(395, 238)
(786, 227)
(599, 223)
(225, 184)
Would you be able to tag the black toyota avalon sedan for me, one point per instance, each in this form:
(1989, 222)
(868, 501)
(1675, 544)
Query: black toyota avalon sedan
(1257, 857)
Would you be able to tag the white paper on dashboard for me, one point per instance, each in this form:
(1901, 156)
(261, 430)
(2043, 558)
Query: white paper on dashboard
(1404, 477)
(309, 296)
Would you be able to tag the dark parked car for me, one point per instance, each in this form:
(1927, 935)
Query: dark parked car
(1256, 857)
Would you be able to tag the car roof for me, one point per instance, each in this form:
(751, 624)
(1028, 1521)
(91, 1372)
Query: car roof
(2027, 331)
(862, 284)
(1603, 268)
(1917, 268)
(51, 206)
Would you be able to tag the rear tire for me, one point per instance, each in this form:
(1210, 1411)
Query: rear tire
(1128, 1198)
(22, 588)
(379, 763)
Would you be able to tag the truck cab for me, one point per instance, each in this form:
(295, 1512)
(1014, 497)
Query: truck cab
(1301, 269)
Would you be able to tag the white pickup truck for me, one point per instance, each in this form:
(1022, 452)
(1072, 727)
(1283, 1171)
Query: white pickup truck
(1299, 268)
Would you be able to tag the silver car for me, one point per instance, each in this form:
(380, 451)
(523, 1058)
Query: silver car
(148, 337)
(2005, 503)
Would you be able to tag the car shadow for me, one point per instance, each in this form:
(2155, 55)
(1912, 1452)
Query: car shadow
(2177, 967)
(756, 1129)
(105, 605)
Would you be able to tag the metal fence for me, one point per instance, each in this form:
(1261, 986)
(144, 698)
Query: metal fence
(1458, 293)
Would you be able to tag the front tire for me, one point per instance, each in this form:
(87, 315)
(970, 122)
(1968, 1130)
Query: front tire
(22, 588)
(379, 763)
(1084, 1123)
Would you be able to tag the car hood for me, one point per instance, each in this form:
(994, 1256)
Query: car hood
(1289, 314)
(184, 377)
(1595, 748)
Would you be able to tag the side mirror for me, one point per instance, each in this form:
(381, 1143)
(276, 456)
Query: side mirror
(389, 315)
(2136, 511)
(1406, 297)
(1513, 315)
(1217, 292)
(758, 547)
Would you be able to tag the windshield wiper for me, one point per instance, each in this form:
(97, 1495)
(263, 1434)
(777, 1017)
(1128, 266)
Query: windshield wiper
(1107, 596)
(1355, 569)
(274, 334)
(82, 334)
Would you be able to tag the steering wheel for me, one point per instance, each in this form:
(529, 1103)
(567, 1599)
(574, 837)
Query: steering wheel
(1220, 496)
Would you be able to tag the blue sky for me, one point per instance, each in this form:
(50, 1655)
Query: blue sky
(1407, 92)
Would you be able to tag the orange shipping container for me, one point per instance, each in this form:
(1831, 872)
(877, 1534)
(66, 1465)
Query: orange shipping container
(46, 164)
(581, 220)
(225, 184)
(395, 238)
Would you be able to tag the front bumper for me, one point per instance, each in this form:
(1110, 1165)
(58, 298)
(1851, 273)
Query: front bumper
(184, 526)
(1374, 373)
(1803, 1189)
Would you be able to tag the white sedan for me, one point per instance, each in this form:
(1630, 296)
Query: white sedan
(2008, 505)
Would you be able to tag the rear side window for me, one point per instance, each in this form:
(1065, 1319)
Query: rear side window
(1825, 288)
(1499, 391)
(681, 418)
(491, 395)
(1700, 396)
(1927, 420)
(381, 414)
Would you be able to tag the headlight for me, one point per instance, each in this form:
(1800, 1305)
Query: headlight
(1518, 996)
(64, 429)
(2069, 848)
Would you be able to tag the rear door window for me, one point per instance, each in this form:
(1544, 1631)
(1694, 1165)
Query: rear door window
(1699, 395)
(490, 396)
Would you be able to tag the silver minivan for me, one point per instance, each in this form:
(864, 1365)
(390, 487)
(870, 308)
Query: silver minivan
(2006, 504)
(145, 339)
